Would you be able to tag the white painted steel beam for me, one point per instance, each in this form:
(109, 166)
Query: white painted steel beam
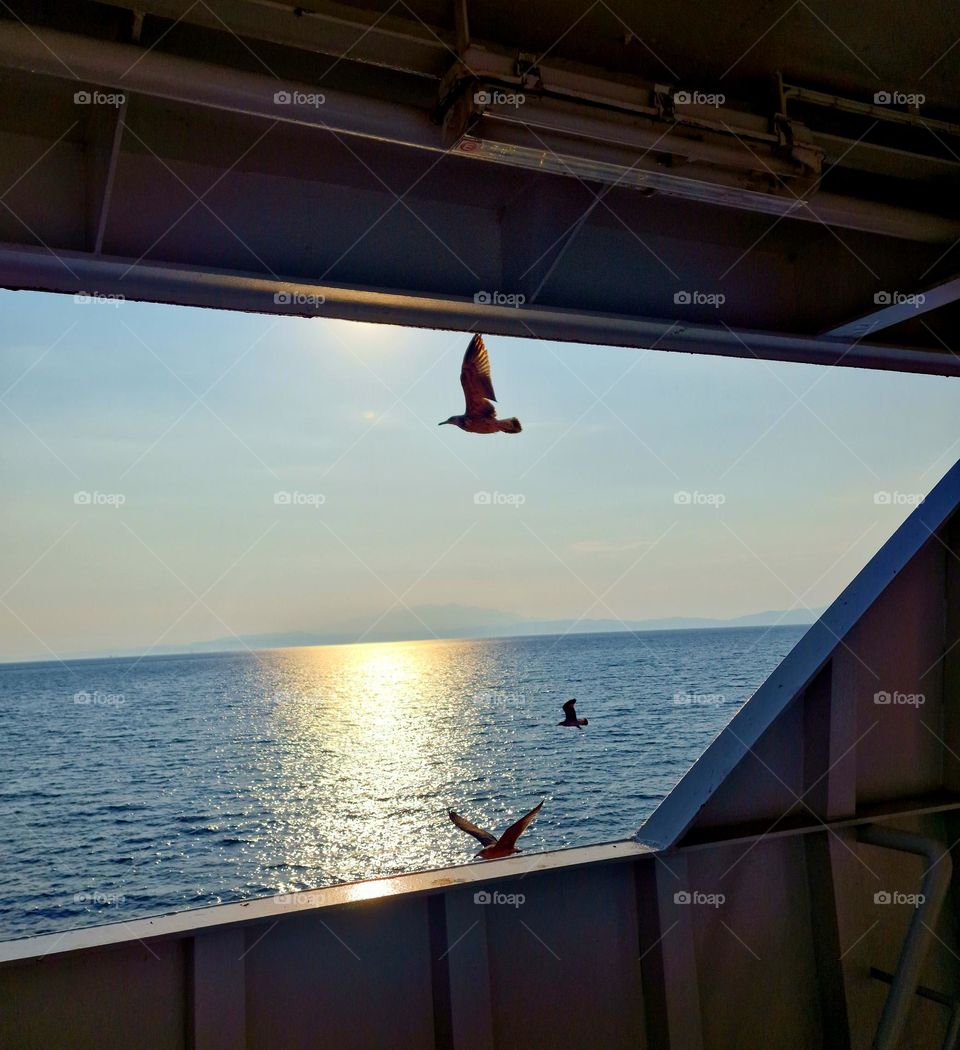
(895, 307)
(679, 810)
(72, 272)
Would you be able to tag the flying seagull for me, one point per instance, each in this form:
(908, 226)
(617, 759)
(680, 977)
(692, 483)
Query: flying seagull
(570, 716)
(493, 847)
(481, 414)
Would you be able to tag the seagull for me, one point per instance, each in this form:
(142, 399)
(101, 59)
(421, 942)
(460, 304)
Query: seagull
(570, 716)
(493, 847)
(481, 415)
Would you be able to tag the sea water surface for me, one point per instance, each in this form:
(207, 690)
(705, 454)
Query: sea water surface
(130, 787)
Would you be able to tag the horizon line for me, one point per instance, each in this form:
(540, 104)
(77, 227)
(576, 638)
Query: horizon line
(251, 650)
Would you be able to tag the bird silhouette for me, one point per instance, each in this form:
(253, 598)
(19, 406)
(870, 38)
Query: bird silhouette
(481, 415)
(570, 716)
(493, 847)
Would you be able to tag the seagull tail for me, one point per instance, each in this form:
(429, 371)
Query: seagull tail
(509, 426)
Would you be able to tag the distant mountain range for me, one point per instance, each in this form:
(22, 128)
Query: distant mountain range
(461, 621)
(453, 621)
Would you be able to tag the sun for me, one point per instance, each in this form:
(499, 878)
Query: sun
(361, 335)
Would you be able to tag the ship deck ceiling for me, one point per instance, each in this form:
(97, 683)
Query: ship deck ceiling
(797, 219)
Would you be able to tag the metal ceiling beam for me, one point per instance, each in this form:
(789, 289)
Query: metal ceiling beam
(387, 40)
(72, 272)
(193, 82)
(567, 140)
(895, 307)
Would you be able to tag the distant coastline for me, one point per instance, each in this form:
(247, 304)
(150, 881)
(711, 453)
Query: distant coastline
(445, 623)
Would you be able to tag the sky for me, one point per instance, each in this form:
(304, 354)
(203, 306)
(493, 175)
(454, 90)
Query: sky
(174, 475)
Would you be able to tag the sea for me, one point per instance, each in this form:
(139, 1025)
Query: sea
(136, 786)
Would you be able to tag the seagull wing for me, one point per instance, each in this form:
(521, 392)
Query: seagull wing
(569, 708)
(483, 837)
(475, 379)
(509, 838)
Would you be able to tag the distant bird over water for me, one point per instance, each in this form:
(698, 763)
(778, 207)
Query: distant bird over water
(570, 716)
(481, 415)
(493, 847)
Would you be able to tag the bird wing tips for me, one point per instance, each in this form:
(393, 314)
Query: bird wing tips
(484, 837)
(475, 378)
(510, 836)
(477, 351)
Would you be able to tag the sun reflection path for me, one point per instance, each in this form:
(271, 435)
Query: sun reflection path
(365, 747)
(372, 736)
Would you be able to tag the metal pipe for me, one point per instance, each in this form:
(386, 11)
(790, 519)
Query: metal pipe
(936, 882)
(953, 1005)
(874, 112)
(588, 155)
(23, 266)
(125, 68)
(709, 141)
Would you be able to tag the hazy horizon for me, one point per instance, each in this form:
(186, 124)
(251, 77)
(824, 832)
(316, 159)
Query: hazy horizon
(521, 629)
(179, 475)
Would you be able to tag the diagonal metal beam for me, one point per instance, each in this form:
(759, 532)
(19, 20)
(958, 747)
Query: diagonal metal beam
(894, 307)
(102, 152)
(536, 229)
